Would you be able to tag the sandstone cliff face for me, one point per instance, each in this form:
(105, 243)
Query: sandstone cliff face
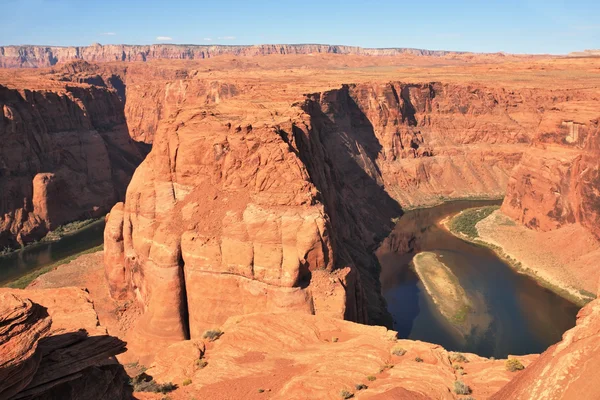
(66, 155)
(41, 56)
(56, 350)
(235, 212)
(558, 181)
(222, 220)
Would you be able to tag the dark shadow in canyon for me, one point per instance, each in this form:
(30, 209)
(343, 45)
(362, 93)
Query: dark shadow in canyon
(340, 151)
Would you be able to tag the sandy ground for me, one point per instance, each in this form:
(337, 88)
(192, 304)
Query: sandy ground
(566, 258)
(443, 286)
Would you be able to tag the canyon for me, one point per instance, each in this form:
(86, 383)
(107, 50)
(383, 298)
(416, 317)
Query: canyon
(271, 181)
(66, 155)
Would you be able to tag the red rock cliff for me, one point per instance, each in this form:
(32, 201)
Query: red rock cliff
(45, 56)
(66, 155)
(234, 212)
(558, 181)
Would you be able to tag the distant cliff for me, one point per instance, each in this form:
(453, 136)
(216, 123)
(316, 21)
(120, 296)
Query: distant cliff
(45, 56)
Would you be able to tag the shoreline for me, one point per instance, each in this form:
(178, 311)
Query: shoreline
(25, 280)
(574, 295)
(443, 201)
(55, 235)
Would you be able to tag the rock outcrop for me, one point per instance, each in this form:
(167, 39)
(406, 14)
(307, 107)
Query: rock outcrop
(66, 155)
(57, 350)
(234, 212)
(298, 356)
(45, 56)
(557, 183)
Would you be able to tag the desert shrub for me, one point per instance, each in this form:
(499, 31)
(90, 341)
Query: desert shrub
(334, 339)
(398, 351)
(212, 334)
(201, 363)
(513, 365)
(371, 378)
(187, 382)
(458, 357)
(360, 386)
(145, 383)
(344, 394)
(418, 359)
(461, 388)
(261, 390)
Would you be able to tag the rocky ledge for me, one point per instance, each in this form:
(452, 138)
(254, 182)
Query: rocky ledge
(51, 346)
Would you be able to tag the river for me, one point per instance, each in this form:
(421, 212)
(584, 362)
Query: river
(39, 255)
(517, 316)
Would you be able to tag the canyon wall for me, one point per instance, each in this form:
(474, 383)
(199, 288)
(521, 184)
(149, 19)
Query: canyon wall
(66, 154)
(45, 56)
(558, 181)
(240, 209)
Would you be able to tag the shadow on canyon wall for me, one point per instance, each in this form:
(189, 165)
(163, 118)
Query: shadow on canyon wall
(340, 150)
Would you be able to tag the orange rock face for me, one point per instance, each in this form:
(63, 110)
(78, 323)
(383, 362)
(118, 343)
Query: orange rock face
(66, 155)
(243, 208)
(557, 182)
(56, 350)
(40, 56)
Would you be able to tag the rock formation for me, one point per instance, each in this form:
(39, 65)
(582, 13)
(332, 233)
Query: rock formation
(66, 155)
(234, 213)
(45, 56)
(557, 181)
(56, 350)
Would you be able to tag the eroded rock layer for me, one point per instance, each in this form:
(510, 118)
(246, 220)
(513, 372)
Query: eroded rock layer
(280, 208)
(45, 56)
(558, 182)
(57, 350)
(66, 154)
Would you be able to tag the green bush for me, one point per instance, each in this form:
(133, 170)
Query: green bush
(465, 222)
(461, 388)
(360, 386)
(187, 382)
(201, 363)
(344, 394)
(371, 378)
(418, 359)
(513, 365)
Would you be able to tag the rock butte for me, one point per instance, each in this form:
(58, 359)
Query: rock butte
(269, 185)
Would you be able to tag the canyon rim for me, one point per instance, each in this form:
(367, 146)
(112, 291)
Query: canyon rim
(246, 192)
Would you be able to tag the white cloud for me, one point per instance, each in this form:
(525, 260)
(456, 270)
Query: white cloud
(207, 39)
(108, 33)
(164, 38)
(226, 37)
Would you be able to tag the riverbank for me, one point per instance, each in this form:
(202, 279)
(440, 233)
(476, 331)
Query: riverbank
(553, 259)
(441, 200)
(25, 280)
(59, 233)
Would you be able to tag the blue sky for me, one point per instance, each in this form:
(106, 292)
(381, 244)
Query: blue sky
(524, 26)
